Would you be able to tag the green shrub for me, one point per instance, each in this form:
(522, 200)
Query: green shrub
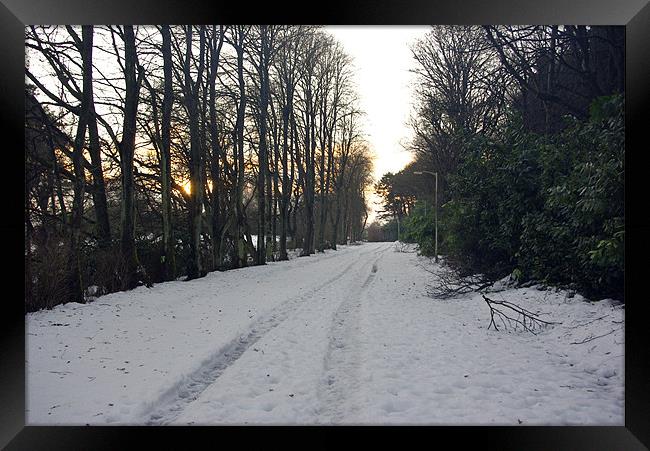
(550, 207)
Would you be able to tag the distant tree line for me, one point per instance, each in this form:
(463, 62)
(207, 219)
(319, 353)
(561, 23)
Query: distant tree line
(524, 126)
(153, 153)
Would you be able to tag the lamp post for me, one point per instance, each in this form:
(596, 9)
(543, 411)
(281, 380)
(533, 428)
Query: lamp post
(435, 174)
(397, 216)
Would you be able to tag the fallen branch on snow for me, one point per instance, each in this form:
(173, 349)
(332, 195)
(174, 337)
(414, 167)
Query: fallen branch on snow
(524, 318)
(449, 283)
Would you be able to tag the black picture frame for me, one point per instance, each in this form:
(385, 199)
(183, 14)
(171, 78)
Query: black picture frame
(633, 14)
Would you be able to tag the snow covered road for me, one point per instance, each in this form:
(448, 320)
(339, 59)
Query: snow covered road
(345, 337)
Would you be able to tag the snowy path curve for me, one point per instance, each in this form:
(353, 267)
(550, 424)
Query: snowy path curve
(341, 380)
(171, 403)
(285, 377)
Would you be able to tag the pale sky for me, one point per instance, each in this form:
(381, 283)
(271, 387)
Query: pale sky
(382, 59)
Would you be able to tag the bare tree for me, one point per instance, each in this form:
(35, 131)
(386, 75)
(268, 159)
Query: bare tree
(127, 150)
(461, 92)
(563, 67)
(216, 44)
(169, 255)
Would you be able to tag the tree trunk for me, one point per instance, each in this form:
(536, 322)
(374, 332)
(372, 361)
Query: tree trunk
(127, 149)
(286, 189)
(335, 228)
(195, 268)
(168, 258)
(276, 188)
(239, 198)
(99, 193)
(215, 170)
(321, 174)
(262, 158)
(308, 242)
(75, 285)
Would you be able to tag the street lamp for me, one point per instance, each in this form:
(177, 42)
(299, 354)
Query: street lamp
(435, 174)
(397, 216)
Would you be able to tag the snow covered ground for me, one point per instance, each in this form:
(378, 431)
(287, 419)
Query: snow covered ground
(348, 337)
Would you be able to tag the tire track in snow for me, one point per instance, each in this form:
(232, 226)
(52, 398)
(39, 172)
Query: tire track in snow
(274, 267)
(166, 408)
(340, 379)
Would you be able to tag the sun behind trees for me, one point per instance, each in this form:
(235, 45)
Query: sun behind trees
(158, 152)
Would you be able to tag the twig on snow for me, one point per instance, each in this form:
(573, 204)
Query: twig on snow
(525, 318)
(591, 338)
(588, 322)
